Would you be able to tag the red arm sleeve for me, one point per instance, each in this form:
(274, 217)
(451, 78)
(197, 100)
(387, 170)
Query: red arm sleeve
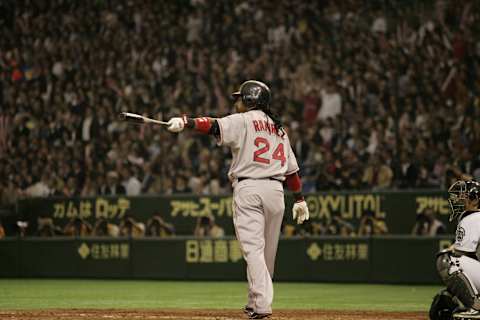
(295, 185)
(202, 124)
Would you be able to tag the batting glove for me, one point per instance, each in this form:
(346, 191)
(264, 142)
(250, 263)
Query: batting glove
(175, 124)
(300, 211)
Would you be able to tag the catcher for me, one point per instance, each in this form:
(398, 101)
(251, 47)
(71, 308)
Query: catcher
(459, 266)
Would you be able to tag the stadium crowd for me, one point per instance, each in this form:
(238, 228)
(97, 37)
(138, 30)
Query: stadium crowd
(375, 95)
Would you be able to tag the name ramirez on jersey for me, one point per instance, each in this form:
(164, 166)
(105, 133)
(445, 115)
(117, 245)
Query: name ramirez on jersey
(265, 126)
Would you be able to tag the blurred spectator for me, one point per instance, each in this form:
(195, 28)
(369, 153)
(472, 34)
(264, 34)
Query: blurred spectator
(181, 185)
(9, 194)
(339, 227)
(113, 186)
(77, 227)
(57, 187)
(89, 188)
(370, 225)
(103, 228)
(307, 229)
(427, 224)
(377, 175)
(71, 188)
(130, 181)
(331, 102)
(345, 229)
(289, 230)
(46, 228)
(129, 227)
(157, 227)
(40, 188)
(21, 227)
(206, 227)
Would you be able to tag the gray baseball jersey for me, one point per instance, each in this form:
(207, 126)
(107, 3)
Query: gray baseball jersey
(258, 150)
(264, 157)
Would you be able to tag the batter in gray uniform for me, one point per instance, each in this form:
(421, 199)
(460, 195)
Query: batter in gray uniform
(262, 159)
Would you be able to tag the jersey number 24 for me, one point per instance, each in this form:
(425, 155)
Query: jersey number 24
(264, 145)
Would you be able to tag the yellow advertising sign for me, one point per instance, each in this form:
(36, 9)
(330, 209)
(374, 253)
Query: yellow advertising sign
(104, 251)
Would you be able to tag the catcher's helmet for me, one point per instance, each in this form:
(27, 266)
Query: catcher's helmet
(254, 94)
(459, 193)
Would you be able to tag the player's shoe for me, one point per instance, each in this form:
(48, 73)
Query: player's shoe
(255, 315)
(465, 315)
(247, 310)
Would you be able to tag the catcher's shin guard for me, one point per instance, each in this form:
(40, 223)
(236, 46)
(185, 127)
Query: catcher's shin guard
(461, 286)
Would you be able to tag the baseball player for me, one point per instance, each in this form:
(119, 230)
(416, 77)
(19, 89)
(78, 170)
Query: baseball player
(262, 160)
(459, 265)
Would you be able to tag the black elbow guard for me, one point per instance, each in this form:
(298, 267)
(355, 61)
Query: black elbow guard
(215, 129)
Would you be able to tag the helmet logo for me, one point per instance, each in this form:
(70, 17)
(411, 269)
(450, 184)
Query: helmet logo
(460, 234)
(256, 92)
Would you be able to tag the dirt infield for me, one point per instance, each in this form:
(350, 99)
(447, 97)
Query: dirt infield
(177, 314)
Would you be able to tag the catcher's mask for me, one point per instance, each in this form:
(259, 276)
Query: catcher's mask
(459, 193)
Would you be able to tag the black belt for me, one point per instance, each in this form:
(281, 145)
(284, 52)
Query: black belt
(245, 178)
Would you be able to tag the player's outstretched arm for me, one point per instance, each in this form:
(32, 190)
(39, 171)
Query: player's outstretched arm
(205, 125)
(300, 208)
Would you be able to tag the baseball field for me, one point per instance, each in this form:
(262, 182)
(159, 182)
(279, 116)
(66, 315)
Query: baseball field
(111, 299)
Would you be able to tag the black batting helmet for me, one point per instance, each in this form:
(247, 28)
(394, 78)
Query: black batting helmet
(458, 193)
(254, 94)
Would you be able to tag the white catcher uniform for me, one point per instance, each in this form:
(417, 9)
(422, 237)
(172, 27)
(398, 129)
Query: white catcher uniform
(467, 238)
(458, 266)
(460, 269)
(260, 160)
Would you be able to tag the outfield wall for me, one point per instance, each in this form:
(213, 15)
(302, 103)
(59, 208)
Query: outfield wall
(398, 209)
(393, 259)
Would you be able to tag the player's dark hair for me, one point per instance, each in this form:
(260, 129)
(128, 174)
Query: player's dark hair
(276, 121)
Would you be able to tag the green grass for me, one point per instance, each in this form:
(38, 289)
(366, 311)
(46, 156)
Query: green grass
(43, 294)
